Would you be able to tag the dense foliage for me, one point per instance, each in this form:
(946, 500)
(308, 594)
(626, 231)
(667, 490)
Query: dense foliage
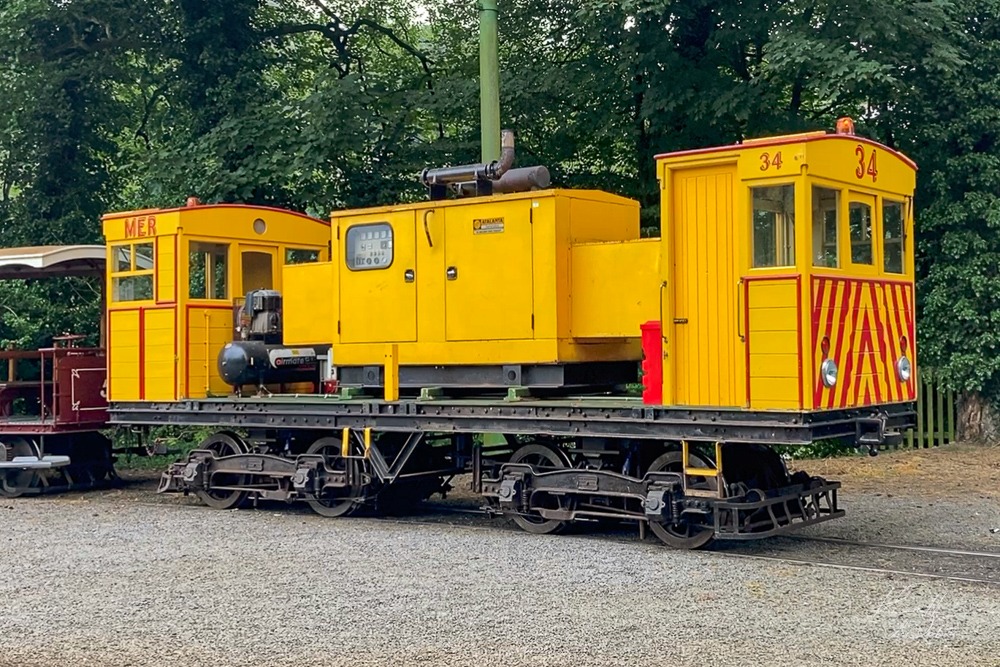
(317, 104)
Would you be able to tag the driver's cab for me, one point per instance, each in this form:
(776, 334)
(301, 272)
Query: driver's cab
(811, 237)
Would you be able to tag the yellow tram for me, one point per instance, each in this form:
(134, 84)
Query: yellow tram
(365, 354)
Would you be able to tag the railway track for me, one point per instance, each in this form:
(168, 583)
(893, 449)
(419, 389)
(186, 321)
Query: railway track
(893, 560)
(969, 566)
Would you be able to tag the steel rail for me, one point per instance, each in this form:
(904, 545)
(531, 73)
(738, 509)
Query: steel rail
(862, 568)
(897, 547)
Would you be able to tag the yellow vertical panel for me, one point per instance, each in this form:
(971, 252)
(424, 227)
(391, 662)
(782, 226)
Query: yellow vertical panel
(681, 274)
(159, 355)
(548, 222)
(613, 304)
(307, 311)
(559, 318)
(166, 269)
(489, 249)
(665, 290)
(714, 264)
(209, 329)
(380, 305)
(773, 335)
(595, 220)
(430, 277)
(123, 362)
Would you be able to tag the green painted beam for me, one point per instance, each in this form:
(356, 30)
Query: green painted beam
(489, 80)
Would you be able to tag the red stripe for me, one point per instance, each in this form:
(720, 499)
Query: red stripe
(107, 352)
(844, 317)
(887, 350)
(798, 335)
(142, 354)
(185, 318)
(867, 351)
(817, 308)
(177, 262)
(849, 364)
(900, 332)
(746, 326)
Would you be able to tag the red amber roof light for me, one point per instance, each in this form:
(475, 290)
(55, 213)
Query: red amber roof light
(845, 125)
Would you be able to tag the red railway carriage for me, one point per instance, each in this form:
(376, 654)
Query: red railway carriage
(53, 402)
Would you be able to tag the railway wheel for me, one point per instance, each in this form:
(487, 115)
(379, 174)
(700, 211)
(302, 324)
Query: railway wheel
(15, 483)
(682, 535)
(541, 458)
(336, 502)
(224, 443)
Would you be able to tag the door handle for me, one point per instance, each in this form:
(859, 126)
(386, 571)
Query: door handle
(427, 229)
(680, 320)
(409, 275)
(452, 273)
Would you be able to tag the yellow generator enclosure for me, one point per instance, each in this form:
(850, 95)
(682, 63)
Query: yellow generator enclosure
(527, 284)
(173, 278)
(787, 266)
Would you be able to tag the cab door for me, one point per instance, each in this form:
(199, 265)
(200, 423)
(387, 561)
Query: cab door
(707, 347)
(378, 295)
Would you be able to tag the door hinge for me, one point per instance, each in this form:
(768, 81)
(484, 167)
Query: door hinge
(338, 232)
(338, 327)
(532, 321)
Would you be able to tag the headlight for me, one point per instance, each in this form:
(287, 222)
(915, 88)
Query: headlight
(903, 369)
(828, 369)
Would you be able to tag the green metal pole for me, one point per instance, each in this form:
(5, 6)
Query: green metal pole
(489, 80)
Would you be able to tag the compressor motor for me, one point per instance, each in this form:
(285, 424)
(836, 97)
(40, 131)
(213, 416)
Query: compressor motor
(259, 318)
(256, 356)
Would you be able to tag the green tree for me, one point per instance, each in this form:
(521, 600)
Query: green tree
(954, 133)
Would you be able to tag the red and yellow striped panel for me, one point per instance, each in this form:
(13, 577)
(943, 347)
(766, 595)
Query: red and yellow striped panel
(865, 326)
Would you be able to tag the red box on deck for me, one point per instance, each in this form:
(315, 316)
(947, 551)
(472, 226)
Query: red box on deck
(652, 363)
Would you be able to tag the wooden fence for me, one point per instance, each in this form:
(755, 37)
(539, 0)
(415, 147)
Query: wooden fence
(936, 415)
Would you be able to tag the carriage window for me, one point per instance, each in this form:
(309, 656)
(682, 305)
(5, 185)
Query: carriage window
(301, 256)
(123, 258)
(132, 288)
(774, 226)
(369, 247)
(207, 264)
(892, 224)
(861, 233)
(132, 272)
(825, 209)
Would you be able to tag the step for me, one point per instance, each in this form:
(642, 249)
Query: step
(34, 463)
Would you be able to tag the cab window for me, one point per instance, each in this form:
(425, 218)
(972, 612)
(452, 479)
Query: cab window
(207, 266)
(773, 221)
(860, 220)
(825, 219)
(301, 255)
(893, 246)
(132, 272)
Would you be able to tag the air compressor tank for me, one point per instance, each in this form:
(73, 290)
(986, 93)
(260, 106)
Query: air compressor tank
(257, 363)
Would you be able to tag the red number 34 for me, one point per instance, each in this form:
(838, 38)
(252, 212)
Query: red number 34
(767, 161)
(863, 169)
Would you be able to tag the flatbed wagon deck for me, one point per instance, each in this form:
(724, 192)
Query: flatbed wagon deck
(579, 416)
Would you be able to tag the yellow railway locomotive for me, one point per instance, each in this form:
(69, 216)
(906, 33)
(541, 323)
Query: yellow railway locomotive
(372, 358)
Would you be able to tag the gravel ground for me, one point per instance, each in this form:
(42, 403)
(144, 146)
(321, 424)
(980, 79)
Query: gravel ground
(105, 579)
